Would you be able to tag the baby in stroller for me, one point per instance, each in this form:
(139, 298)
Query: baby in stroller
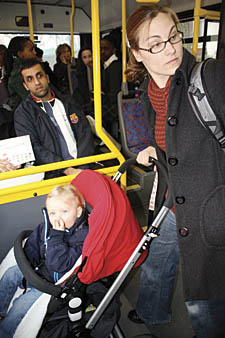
(52, 249)
(113, 234)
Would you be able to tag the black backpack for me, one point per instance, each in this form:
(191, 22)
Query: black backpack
(201, 105)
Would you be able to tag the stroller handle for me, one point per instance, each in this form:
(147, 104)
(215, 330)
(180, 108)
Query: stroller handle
(30, 275)
(169, 200)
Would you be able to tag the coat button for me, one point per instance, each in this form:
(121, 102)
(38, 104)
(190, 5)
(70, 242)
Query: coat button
(180, 199)
(178, 81)
(172, 121)
(172, 161)
(183, 231)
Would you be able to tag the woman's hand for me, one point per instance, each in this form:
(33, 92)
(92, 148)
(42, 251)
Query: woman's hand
(143, 156)
(5, 165)
(63, 58)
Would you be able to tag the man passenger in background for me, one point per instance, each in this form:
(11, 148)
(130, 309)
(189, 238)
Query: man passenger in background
(58, 129)
(112, 79)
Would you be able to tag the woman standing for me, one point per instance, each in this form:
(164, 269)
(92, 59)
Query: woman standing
(63, 59)
(19, 48)
(84, 91)
(193, 230)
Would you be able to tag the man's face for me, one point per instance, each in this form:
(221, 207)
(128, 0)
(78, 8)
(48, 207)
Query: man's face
(106, 50)
(37, 82)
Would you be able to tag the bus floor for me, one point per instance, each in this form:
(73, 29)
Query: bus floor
(179, 327)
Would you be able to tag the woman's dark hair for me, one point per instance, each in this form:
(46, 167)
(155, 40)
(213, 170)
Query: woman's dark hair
(81, 51)
(16, 44)
(60, 49)
(136, 70)
(81, 67)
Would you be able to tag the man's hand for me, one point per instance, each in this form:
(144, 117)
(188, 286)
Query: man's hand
(72, 171)
(5, 165)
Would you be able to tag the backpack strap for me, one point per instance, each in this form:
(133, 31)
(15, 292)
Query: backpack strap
(201, 106)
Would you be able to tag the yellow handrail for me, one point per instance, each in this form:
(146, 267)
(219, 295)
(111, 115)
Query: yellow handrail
(199, 12)
(24, 191)
(124, 49)
(97, 85)
(72, 14)
(147, 0)
(30, 20)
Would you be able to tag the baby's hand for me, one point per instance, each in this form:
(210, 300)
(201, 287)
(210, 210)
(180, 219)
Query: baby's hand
(59, 225)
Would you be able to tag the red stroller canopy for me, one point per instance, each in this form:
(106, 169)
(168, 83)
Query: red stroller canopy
(114, 231)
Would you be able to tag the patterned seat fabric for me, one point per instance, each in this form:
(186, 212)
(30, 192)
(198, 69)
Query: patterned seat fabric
(136, 127)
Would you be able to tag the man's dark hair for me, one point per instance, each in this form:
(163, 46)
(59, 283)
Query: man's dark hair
(28, 63)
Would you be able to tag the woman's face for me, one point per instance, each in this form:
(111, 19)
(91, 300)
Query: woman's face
(65, 55)
(86, 57)
(163, 64)
(28, 51)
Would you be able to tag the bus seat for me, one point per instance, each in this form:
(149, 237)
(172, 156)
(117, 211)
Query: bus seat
(134, 130)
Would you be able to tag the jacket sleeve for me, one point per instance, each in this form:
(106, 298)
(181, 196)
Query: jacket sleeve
(114, 78)
(61, 256)
(24, 124)
(32, 247)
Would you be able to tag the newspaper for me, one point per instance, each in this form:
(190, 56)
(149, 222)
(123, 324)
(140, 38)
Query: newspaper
(18, 150)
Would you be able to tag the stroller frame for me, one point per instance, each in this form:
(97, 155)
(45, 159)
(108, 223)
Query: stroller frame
(150, 234)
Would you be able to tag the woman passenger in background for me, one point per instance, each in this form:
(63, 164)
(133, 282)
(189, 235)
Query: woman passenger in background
(19, 48)
(63, 58)
(84, 70)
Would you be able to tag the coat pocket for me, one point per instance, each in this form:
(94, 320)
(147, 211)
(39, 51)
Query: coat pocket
(212, 218)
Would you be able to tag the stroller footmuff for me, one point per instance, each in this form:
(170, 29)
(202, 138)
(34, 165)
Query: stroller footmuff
(113, 235)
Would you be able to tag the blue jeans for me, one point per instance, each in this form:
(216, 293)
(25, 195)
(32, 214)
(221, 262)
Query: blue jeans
(207, 318)
(157, 275)
(157, 283)
(11, 280)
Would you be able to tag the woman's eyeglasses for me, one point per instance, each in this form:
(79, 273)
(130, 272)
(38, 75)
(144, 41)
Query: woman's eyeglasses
(159, 46)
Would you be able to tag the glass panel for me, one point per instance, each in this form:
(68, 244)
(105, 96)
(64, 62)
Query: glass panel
(50, 43)
(188, 28)
(188, 46)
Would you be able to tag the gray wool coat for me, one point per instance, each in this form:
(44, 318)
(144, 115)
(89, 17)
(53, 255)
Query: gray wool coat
(196, 169)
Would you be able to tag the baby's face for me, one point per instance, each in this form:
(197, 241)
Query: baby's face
(63, 211)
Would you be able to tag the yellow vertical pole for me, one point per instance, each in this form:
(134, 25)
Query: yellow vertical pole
(124, 49)
(97, 84)
(196, 27)
(30, 20)
(72, 26)
(96, 63)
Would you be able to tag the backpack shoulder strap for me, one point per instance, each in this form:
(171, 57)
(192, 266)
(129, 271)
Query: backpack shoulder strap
(201, 106)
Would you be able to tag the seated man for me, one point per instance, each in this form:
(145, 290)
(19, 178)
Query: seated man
(57, 127)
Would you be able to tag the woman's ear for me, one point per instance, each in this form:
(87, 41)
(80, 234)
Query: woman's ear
(137, 55)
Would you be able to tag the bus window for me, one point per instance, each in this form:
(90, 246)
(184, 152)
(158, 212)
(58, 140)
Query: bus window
(47, 42)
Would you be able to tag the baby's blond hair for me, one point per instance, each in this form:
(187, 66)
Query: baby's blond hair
(67, 190)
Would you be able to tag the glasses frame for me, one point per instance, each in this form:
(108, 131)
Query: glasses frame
(165, 42)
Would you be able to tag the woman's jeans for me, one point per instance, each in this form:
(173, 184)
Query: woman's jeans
(11, 280)
(157, 285)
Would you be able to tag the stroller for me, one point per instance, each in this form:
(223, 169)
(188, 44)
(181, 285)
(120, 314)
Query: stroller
(122, 246)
